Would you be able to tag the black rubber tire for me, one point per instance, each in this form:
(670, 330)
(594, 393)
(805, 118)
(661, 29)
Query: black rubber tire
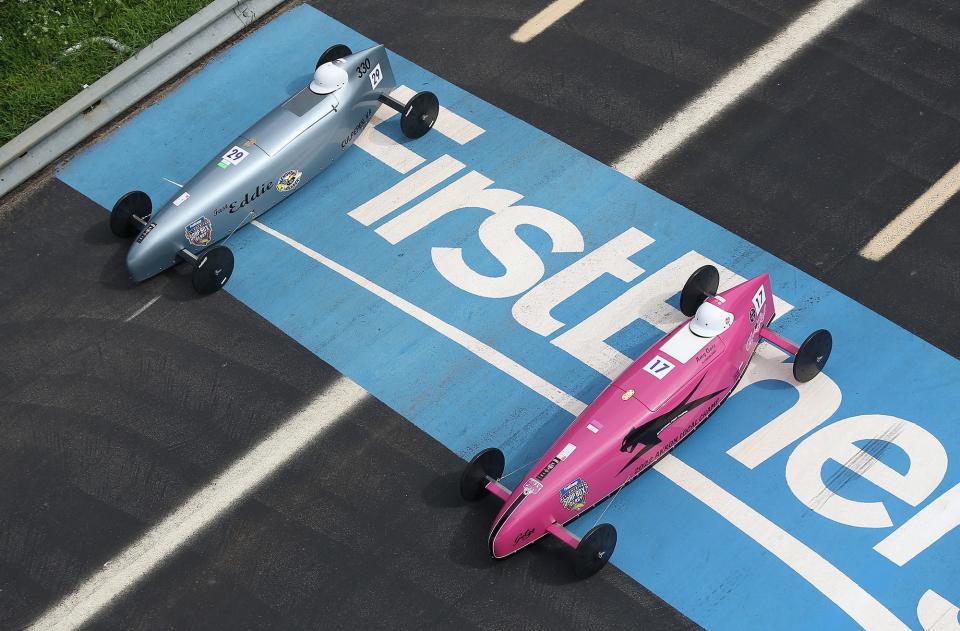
(212, 270)
(594, 551)
(420, 114)
(702, 284)
(473, 480)
(133, 203)
(812, 356)
(334, 52)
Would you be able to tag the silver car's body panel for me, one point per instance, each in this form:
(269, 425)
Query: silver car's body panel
(284, 150)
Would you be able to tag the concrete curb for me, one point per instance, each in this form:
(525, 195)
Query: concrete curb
(124, 86)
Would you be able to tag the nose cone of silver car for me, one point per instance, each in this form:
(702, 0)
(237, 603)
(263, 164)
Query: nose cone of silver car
(143, 259)
(328, 78)
(710, 320)
(154, 250)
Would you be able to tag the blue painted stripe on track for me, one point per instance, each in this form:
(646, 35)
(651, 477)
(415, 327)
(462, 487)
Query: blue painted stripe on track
(669, 541)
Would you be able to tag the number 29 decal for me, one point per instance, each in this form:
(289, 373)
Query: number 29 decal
(375, 76)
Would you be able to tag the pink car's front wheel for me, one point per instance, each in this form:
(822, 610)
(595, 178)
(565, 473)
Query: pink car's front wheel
(486, 466)
(594, 550)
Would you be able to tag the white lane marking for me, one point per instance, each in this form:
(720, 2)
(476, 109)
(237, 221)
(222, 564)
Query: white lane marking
(671, 135)
(489, 354)
(172, 182)
(451, 125)
(867, 611)
(206, 505)
(142, 309)
(913, 216)
(384, 148)
(820, 573)
(544, 20)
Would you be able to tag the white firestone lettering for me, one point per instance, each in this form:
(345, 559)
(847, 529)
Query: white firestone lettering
(532, 310)
(406, 190)
(928, 465)
(470, 191)
(936, 613)
(923, 529)
(524, 268)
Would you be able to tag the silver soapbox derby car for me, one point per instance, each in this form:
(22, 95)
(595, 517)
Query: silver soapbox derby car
(278, 155)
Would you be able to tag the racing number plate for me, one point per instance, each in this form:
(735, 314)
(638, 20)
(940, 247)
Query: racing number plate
(235, 155)
(375, 76)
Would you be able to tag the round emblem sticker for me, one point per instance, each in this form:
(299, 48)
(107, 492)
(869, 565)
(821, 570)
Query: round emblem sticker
(288, 181)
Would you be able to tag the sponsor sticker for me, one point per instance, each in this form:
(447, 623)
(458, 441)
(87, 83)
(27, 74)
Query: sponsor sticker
(566, 451)
(593, 428)
(524, 535)
(573, 496)
(629, 393)
(222, 164)
(145, 232)
(184, 196)
(289, 180)
(532, 486)
(547, 469)
(199, 232)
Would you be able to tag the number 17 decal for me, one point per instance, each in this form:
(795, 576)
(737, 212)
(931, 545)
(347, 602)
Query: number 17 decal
(658, 367)
(759, 298)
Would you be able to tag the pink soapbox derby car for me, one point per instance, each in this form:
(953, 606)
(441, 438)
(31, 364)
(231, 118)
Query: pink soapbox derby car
(644, 413)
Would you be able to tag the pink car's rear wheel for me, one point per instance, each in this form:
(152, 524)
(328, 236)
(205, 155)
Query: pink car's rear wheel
(594, 550)
(812, 356)
(702, 284)
(485, 466)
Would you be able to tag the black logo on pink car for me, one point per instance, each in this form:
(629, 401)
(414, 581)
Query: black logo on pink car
(648, 433)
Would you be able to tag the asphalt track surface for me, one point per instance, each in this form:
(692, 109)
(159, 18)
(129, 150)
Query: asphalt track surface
(109, 425)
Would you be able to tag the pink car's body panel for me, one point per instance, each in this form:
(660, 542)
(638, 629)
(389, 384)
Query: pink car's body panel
(662, 397)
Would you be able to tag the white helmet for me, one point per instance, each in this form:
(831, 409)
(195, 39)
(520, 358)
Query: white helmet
(710, 320)
(328, 78)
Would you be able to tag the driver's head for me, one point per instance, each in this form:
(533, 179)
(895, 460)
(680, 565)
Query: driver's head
(710, 320)
(328, 78)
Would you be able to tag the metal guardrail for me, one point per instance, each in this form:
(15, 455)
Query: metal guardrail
(124, 86)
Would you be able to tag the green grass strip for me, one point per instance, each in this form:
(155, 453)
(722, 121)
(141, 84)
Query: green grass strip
(37, 75)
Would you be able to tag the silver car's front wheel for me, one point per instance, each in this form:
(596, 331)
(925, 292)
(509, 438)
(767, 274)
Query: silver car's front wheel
(212, 270)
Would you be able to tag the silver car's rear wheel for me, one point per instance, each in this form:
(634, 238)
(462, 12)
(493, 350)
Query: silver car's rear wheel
(333, 53)
(420, 114)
